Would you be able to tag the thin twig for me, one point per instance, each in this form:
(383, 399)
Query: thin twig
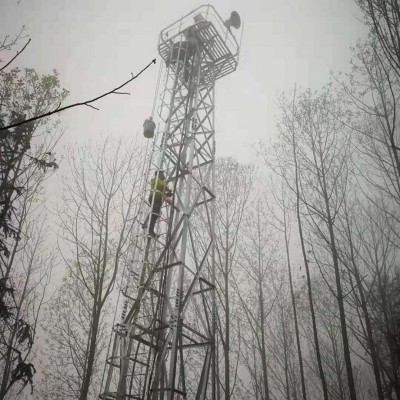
(18, 53)
(95, 108)
(83, 103)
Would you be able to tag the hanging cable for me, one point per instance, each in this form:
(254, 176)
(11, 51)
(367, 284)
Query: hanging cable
(157, 89)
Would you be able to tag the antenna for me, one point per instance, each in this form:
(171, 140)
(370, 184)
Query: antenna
(234, 21)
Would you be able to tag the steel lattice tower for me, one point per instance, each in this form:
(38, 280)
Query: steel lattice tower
(163, 348)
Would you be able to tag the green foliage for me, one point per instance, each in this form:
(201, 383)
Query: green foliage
(23, 94)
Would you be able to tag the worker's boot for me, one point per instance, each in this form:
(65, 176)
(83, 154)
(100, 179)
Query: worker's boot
(154, 235)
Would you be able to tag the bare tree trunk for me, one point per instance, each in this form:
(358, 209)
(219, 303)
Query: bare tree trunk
(227, 317)
(360, 288)
(377, 72)
(5, 379)
(91, 354)
(296, 325)
(285, 347)
(263, 347)
(393, 352)
(310, 299)
(232, 200)
(255, 367)
(262, 312)
(339, 292)
(303, 249)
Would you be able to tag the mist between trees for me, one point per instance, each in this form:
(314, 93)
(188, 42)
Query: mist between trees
(307, 244)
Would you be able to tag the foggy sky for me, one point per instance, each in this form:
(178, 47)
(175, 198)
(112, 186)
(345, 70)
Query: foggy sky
(96, 44)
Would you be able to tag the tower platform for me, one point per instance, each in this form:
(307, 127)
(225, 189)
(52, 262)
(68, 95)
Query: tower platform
(219, 47)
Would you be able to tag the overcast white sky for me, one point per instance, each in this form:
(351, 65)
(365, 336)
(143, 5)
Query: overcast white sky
(96, 44)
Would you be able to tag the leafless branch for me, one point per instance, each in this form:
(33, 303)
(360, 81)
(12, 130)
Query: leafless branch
(83, 103)
(18, 53)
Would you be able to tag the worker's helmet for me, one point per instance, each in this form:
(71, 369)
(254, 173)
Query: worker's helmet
(158, 173)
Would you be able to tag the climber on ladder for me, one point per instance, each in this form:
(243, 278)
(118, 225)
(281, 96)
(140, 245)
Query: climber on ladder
(159, 192)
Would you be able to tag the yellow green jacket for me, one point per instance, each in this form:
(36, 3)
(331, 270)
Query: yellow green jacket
(158, 188)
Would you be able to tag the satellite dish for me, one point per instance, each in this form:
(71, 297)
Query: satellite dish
(234, 21)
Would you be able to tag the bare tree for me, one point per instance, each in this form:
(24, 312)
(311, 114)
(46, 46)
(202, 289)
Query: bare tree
(372, 92)
(96, 224)
(377, 330)
(314, 126)
(257, 287)
(8, 42)
(324, 169)
(287, 164)
(330, 341)
(382, 17)
(351, 244)
(233, 188)
(282, 221)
